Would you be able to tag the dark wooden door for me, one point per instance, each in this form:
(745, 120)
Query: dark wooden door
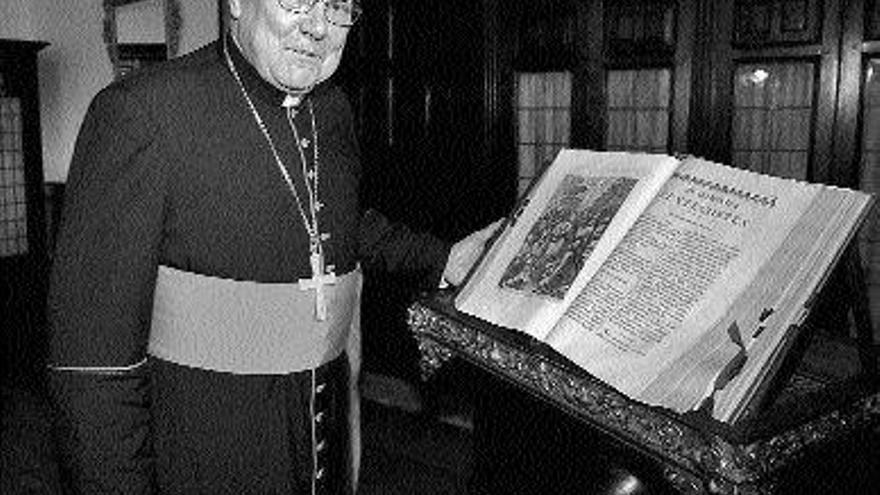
(415, 74)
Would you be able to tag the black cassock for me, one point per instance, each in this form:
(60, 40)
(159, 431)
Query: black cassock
(170, 168)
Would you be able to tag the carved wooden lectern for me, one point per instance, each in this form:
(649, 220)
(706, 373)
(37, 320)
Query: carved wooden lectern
(694, 453)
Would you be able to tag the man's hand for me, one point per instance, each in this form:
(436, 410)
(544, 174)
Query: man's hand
(465, 253)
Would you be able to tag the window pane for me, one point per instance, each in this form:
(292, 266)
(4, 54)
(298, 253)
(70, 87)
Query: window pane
(13, 206)
(773, 118)
(638, 110)
(543, 119)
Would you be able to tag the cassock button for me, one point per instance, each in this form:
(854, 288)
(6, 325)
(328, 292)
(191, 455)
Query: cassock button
(321, 446)
(319, 417)
(320, 388)
(319, 474)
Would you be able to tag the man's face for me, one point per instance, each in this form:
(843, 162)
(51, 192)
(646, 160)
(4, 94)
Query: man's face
(292, 51)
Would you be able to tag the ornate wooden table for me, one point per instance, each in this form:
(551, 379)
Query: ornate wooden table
(698, 454)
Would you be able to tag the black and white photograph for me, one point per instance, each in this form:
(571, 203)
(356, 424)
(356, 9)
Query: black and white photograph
(366, 247)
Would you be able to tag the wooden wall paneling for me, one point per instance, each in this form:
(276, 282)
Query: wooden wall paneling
(800, 20)
(589, 118)
(825, 165)
(777, 22)
(363, 73)
(712, 108)
(640, 32)
(474, 184)
(683, 74)
(754, 22)
(872, 20)
(846, 143)
(546, 35)
(363, 69)
(700, 75)
(416, 72)
(498, 97)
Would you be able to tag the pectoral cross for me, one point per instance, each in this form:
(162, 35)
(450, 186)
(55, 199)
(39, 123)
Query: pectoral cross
(317, 282)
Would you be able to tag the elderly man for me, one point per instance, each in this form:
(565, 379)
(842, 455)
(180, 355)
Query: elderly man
(206, 278)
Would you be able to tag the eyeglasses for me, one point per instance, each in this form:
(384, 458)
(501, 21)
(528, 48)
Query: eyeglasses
(342, 13)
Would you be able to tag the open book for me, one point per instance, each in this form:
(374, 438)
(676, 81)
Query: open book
(674, 281)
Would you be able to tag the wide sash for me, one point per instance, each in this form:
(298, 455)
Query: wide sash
(248, 327)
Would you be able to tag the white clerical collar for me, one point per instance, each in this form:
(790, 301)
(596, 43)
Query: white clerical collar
(291, 101)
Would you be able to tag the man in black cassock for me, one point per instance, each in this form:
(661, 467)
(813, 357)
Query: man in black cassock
(206, 278)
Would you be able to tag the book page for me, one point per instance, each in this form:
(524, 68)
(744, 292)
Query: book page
(675, 275)
(569, 225)
(819, 240)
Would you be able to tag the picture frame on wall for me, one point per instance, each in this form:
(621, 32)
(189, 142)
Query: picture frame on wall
(134, 56)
